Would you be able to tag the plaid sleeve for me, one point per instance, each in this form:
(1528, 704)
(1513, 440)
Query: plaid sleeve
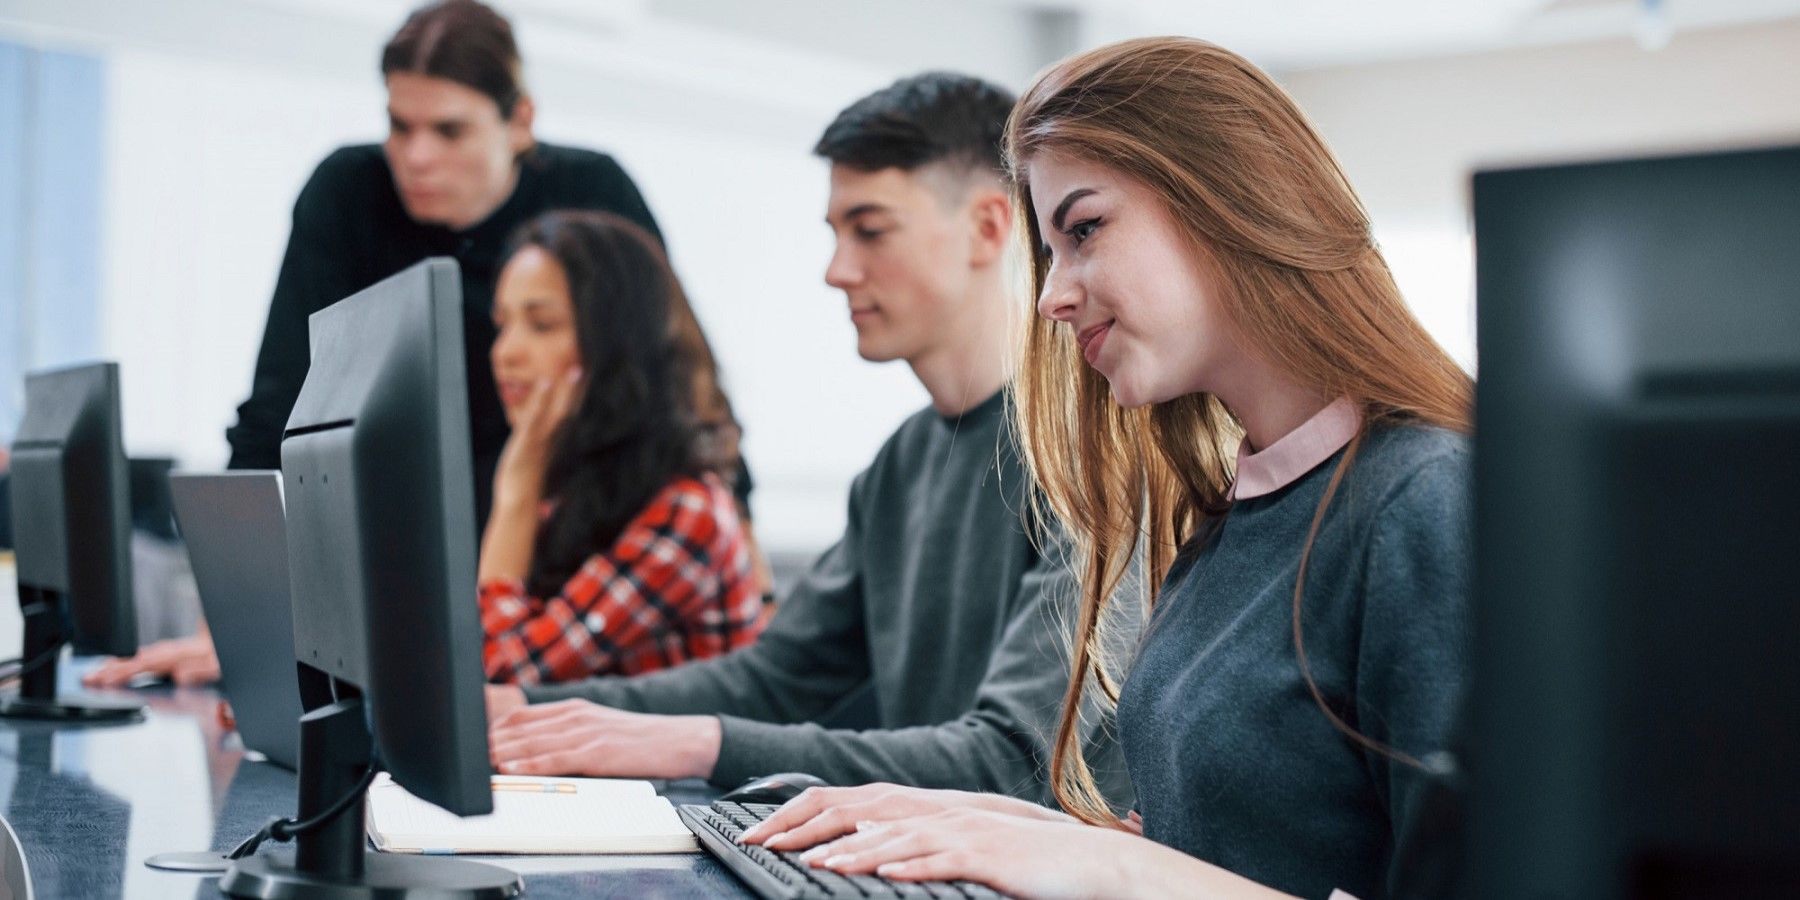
(675, 586)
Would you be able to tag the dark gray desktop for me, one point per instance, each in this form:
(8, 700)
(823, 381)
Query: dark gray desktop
(71, 516)
(1637, 692)
(381, 550)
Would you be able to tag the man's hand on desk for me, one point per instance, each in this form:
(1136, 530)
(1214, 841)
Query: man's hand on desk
(575, 737)
(503, 699)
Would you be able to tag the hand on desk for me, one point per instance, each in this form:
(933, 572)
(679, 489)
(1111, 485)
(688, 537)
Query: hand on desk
(575, 737)
(186, 661)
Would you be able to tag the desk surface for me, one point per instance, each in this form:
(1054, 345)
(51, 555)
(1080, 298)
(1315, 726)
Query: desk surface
(90, 804)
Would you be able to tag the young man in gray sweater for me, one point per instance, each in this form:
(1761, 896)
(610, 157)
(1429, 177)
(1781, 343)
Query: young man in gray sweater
(944, 593)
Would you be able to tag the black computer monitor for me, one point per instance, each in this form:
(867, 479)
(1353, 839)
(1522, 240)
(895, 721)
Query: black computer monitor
(71, 515)
(381, 549)
(1637, 472)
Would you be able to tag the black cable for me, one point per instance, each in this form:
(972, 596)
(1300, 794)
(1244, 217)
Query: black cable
(284, 830)
(37, 662)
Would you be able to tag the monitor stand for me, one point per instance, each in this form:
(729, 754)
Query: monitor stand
(332, 862)
(45, 634)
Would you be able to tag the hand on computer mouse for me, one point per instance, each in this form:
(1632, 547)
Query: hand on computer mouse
(185, 661)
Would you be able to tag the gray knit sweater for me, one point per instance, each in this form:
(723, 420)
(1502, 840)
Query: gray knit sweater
(1233, 761)
(938, 597)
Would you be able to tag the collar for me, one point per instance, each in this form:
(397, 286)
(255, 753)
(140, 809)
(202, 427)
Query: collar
(1297, 452)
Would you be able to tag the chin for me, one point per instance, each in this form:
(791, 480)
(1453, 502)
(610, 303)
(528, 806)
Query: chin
(872, 351)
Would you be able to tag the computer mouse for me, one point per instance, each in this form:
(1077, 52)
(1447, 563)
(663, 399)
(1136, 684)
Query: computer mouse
(779, 788)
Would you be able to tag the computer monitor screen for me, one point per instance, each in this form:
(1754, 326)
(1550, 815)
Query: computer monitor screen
(381, 564)
(381, 529)
(71, 516)
(1637, 689)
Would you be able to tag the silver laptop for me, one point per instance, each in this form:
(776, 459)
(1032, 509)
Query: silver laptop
(236, 539)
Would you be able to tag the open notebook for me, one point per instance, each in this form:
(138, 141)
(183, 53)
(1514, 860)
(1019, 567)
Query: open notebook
(533, 815)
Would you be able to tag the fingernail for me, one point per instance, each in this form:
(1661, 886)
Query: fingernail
(774, 839)
(813, 854)
(870, 825)
(509, 767)
(838, 861)
(886, 869)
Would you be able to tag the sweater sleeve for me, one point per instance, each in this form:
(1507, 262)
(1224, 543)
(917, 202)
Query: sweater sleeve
(811, 654)
(1413, 662)
(1002, 744)
(672, 587)
(315, 273)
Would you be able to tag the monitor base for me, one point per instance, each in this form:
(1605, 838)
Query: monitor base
(66, 710)
(385, 876)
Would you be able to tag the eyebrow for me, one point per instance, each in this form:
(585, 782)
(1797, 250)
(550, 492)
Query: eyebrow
(1062, 209)
(862, 209)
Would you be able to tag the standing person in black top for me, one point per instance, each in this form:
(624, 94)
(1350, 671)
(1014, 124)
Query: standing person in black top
(458, 173)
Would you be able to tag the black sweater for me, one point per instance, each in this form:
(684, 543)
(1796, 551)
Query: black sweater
(351, 231)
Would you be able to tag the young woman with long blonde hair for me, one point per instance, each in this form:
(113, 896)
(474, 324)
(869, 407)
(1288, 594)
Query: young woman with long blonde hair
(1224, 384)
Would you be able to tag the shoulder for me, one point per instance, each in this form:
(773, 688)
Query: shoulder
(353, 167)
(1407, 465)
(695, 509)
(901, 451)
(347, 176)
(561, 166)
(1417, 484)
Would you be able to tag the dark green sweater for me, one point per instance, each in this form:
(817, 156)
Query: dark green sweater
(1233, 761)
(938, 597)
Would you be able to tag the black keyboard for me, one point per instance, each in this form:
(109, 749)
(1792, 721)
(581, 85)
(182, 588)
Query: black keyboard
(782, 876)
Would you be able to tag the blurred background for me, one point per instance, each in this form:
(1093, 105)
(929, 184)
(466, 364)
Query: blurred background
(151, 152)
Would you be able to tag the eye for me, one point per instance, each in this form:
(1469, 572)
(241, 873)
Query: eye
(397, 127)
(869, 234)
(450, 132)
(1082, 230)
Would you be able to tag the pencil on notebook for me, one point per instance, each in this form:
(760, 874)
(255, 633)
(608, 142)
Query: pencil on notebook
(548, 787)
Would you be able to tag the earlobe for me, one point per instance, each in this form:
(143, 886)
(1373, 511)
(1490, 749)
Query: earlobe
(993, 226)
(524, 111)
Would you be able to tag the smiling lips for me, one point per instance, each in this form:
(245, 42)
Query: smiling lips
(513, 393)
(1090, 339)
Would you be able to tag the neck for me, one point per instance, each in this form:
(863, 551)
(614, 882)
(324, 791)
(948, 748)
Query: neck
(492, 205)
(971, 363)
(1268, 402)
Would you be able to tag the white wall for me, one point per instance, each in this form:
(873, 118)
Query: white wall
(218, 110)
(1410, 133)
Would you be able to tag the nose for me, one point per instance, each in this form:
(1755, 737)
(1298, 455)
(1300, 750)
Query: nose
(844, 271)
(1061, 297)
(505, 350)
(417, 150)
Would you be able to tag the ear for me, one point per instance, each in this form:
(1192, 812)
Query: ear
(991, 213)
(518, 128)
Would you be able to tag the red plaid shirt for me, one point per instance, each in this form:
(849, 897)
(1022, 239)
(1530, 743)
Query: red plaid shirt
(675, 586)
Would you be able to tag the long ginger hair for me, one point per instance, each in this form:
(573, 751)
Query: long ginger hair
(1270, 214)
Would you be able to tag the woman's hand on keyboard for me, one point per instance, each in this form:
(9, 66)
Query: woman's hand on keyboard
(820, 814)
(1028, 857)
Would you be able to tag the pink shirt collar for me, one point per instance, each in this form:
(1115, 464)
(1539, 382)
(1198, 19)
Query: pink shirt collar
(1297, 452)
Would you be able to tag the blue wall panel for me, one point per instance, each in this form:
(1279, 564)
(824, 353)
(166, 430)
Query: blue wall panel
(65, 225)
(51, 165)
(13, 346)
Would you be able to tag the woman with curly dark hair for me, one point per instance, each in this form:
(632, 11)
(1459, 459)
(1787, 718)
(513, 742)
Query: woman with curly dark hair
(614, 545)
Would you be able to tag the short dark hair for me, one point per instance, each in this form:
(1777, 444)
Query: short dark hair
(934, 117)
(462, 41)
